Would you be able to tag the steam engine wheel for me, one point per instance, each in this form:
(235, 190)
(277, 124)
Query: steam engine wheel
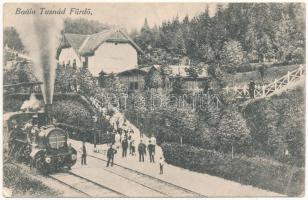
(39, 163)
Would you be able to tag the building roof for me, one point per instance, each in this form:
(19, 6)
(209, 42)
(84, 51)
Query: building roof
(86, 45)
(75, 40)
(173, 71)
(132, 71)
(179, 70)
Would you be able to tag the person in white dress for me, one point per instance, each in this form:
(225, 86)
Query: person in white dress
(117, 139)
(153, 141)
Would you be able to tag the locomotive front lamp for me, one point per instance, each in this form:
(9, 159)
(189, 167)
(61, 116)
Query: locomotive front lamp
(48, 160)
(74, 156)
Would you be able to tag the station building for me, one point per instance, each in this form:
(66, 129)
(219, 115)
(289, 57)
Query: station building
(110, 51)
(134, 79)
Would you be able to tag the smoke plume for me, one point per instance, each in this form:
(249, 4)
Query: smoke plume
(42, 39)
(33, 104)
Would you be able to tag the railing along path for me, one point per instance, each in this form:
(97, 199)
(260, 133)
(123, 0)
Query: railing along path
(267, 90)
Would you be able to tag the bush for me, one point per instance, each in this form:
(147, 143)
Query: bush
(277, 124)
(87, 135)
(72, 112)
(13, 102)
(256, 171)
(12, 105)
(24, 185)
(232, 132)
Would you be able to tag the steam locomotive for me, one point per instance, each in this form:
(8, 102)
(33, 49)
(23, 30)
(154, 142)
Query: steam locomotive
(35, 140)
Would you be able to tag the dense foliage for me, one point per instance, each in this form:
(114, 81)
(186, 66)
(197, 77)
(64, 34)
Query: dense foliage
(267, 128)
(278, 126)
(153, 79)
(232, 131)
(12, 39)
(83, 26)
(20, 72)
(257, 32)
(73, 113)
(23, 184)
(258, 172)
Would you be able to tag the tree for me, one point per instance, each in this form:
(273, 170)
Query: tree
(153, 79)
(83, 26)
(261, 70)
(232, 55)
(86, 81)
(264, 31)
(66, 79)
(23, 76)
(12, 39)
(177, 86)
(183, 125)
(145, 40)
(207, 53)
(72, 113)
(232, 132)
(117, 87)
(60, 82)
(104, 80)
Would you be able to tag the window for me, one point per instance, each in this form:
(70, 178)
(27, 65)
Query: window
(131, 85)
(136, 85)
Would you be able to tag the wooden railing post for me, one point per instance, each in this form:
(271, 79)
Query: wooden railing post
(263, 90)
(275, 84)
(288, 76)
(301, 70)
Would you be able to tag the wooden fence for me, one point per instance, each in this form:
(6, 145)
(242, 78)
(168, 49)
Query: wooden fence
(267, 90)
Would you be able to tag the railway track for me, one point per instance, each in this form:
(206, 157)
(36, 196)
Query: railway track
(163, 187)
(88, 187)
(85, 186)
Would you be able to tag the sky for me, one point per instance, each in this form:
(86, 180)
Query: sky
(128, 15)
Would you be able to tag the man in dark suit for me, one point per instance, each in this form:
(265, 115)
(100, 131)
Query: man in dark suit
(151, 150)
(124, 147)
(251, 89)
(142, 151)
(84, 154)
(110, 155)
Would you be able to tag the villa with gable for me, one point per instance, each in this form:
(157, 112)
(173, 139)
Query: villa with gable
(110, 51)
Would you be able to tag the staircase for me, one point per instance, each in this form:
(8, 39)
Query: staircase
(288, 81)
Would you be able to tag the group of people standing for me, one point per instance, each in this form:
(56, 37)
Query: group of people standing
(124, 138)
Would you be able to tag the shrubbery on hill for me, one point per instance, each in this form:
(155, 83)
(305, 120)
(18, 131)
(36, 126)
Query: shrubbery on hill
(15, 178)
(277, 126)
(232, 132)
(256, 171)
(73, 113)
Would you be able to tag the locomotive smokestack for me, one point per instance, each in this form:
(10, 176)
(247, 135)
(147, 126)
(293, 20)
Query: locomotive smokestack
(48, 114)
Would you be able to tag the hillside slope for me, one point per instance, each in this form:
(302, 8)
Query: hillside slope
(270, 75)
(277, 125)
